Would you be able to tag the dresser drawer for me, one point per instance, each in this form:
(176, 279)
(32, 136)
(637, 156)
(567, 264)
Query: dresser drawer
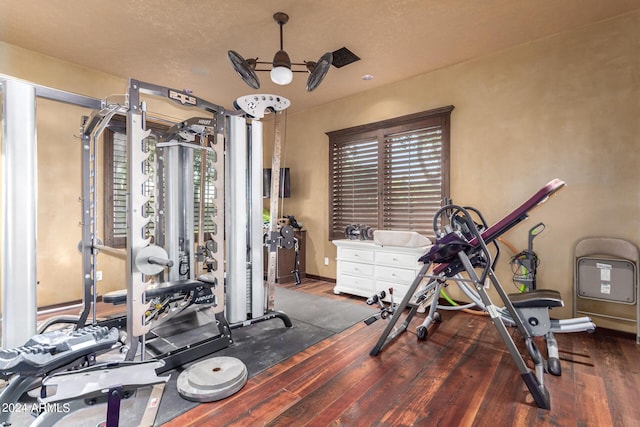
(357, 255)
(396, 259)
(355, 268)
(355, 285)
(395, 275)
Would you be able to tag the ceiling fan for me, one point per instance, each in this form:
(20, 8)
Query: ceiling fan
(281, 71)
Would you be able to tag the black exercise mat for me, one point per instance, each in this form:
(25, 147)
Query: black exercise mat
(259, 346)
(266, 344)
(326, 313)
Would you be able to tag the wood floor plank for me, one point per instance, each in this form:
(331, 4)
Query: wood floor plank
(564, 385)
(343, 352)
(462, 375)
(351, 374)
(426, 360)
(442, 400)
(621, 378)
(594, 402)
(475, 371)
(366, 375)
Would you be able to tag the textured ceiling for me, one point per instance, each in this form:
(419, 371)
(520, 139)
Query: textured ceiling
(183, 44)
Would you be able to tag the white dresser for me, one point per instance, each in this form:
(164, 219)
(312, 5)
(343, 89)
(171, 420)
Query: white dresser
(365, 268)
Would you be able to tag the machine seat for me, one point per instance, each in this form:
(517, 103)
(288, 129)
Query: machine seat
(537, 298)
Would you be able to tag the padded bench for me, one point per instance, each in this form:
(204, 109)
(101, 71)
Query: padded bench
(536, 298)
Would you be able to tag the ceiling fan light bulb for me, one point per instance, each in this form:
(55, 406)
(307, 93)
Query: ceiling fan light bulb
(281, 75)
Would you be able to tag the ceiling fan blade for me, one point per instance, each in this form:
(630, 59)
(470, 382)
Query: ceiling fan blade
(244, 70)
(320, 70)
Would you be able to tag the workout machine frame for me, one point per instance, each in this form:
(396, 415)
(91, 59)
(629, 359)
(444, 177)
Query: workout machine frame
(232, 129)
(462, 247)
(19, 197)
(241, 140)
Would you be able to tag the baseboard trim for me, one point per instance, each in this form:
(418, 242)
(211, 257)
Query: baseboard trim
(324, 279)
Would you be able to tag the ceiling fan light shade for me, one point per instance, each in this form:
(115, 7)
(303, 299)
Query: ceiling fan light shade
(245, 69)
(281, 75)
(281, 59)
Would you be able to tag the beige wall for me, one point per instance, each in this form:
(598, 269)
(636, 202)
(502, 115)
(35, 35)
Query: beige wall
(564, 107)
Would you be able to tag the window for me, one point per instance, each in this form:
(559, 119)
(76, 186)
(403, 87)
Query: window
(209, 206)
(392, 174)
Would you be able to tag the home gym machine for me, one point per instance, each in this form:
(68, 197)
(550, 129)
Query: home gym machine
(167, 273)
(195, 273)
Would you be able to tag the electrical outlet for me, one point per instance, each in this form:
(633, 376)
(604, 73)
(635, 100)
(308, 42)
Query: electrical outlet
(326, 260)
(98, 275)
(487, 283)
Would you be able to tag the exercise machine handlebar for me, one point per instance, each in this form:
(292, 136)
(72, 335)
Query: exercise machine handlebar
(120, 253)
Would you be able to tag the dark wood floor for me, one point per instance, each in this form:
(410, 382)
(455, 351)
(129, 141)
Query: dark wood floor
(461, 376)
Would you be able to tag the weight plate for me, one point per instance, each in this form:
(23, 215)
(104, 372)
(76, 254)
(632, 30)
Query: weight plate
(212, 379)
(142, 259)
(350, 232)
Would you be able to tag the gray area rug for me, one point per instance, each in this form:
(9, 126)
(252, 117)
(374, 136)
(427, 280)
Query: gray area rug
(259, 346)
